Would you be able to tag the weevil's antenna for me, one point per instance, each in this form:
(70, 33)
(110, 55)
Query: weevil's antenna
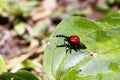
(60, 35)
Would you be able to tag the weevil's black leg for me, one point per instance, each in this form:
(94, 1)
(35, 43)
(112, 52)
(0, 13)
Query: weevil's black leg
(68, 50)
(61, 45)
(76, 50)
(66, 46)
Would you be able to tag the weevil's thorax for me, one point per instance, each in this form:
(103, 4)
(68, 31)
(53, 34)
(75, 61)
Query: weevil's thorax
(74, 40)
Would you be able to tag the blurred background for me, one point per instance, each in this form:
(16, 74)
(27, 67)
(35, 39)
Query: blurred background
(25, 26)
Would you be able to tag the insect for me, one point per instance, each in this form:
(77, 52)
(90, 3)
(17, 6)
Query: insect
(71, 43)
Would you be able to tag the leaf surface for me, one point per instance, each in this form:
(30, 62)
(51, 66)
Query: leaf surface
(102, 42)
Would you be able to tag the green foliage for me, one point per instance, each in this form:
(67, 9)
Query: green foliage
(20, 28)
(39, 29)
(81, 12)
(113, 1)
(30, 64)
(20, 75)
(17, 7)
(101, 59)
(2, 65)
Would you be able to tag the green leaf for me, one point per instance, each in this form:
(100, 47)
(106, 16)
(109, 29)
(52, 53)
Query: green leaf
(81, 12)
(30, 64)
(2, 65)
(97, 62)
(21, 8)
(4, 5)
(113, 19)
(26, 75)
(38, 29)
(20, 75)
(20, 28)
(111, 1)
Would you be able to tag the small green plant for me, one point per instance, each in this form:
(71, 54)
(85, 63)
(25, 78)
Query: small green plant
(19, 75)
(2, 65)
(101, 59)
(16, 8)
